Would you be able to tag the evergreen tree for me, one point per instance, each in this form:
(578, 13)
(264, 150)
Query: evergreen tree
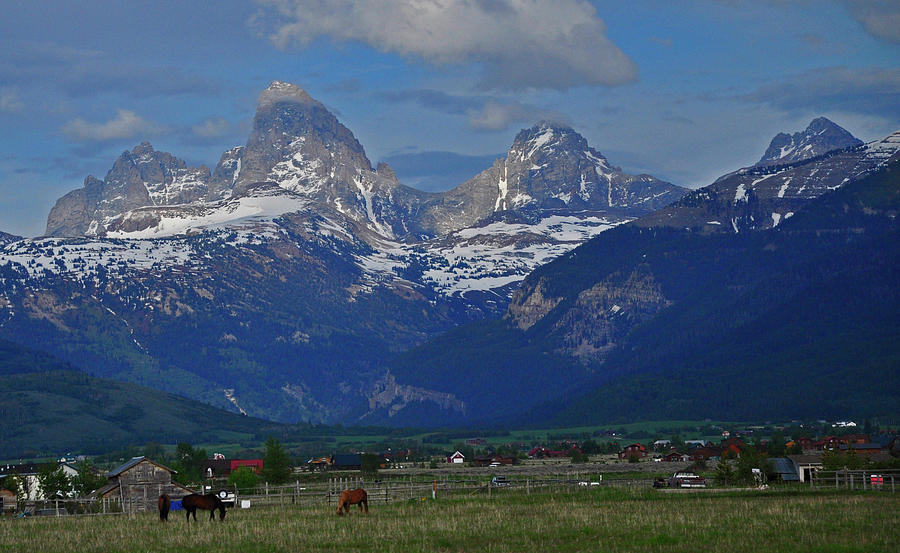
(87, 480)
(369, 463)
(724, 473)
(276, 464)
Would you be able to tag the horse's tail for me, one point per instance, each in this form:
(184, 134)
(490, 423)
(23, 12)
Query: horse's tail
(164, 504)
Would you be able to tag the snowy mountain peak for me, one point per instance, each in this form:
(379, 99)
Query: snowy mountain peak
(820, 136)
(280, 91)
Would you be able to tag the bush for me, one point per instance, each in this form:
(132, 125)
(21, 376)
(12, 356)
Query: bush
(244, 479)
(634, 458)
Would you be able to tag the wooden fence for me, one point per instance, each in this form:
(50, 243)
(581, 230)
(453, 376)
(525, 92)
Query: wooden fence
(877, 480)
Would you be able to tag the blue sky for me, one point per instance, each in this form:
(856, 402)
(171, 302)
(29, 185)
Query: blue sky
(685, 91)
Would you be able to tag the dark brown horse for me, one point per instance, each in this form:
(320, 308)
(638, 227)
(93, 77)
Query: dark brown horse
(353, 497)
(164, 504)
(209, 502)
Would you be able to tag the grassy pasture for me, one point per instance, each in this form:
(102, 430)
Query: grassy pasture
(606, 519)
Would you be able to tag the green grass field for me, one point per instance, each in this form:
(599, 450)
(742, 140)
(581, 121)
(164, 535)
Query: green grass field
(606, 519)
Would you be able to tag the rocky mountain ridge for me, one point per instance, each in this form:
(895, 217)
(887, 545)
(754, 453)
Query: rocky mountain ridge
(300, 146)
(298, 269)
(293, 268)
(761, 197)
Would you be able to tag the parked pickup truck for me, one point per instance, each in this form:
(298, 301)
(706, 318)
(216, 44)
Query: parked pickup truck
(686, 480)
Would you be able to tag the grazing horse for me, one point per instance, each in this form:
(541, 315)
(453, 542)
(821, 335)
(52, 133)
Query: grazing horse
(353, 497)
(209, 502)
(164, 504)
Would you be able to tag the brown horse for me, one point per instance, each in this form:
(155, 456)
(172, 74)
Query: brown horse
(353, 497)
(164, 504)
(209, 502)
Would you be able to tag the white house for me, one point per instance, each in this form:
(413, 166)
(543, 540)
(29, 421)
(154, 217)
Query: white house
(28, 475)
(457, 458)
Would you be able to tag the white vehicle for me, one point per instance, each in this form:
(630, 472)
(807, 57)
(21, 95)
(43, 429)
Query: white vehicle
(686, 479)
(227, 497)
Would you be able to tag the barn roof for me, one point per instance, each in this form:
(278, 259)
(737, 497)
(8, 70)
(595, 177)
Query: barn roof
(135, 461)
(785, 468)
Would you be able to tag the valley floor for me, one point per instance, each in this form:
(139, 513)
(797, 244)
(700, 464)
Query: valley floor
(601, 519)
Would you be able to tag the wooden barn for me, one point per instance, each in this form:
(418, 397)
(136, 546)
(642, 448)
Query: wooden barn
(137, 485)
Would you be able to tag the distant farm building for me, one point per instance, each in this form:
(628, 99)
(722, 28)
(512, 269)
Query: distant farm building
(320, 464)
(216, 468)
(676, 457)
(7, 500)
(351, 461)
(806, 465)
(28, 477)
(488, 460)
(457, 458)
(138, 484)
(633, 450)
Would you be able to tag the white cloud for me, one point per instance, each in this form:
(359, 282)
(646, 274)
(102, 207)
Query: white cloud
(10, 101)
(498, 116)
(126, 124)
(518, 43)
(212, 128)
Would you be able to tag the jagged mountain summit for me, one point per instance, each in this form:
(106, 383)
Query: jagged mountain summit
(763, 196)
(140, 177)
(301, 147)
(288, 273)
(549, 168)
(821, 136)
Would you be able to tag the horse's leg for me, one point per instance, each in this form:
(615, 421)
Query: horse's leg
(366, 503)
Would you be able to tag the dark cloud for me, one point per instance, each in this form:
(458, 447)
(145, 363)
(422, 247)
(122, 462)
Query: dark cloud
(83, 72)
(880, 18)
(483, 113)
(869, 91)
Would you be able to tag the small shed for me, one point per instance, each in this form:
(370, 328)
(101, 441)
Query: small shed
(7, 500)
(457, 458)
(806, 465)
(138, 484)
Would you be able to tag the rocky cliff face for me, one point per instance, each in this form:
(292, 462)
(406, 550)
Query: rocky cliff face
(139, 178)
(586, 320)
